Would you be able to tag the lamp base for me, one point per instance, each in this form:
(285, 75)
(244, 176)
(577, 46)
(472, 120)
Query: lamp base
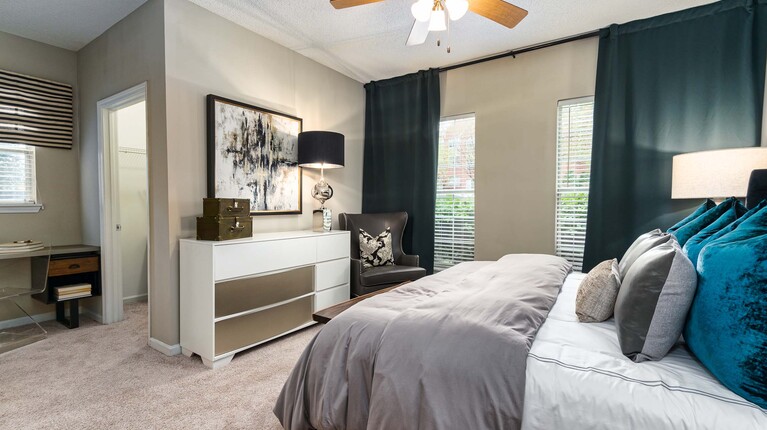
(322, 220)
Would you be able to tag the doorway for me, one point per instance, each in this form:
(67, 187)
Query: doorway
(124, 198)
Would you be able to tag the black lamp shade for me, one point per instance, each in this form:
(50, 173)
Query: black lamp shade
(321, 149)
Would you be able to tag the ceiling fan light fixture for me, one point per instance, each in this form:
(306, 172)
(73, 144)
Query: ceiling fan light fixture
(437, 21)
(421, 10)
(456, 9)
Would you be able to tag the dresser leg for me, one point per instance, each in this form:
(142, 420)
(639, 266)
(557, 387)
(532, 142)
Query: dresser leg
(217, 364)
(186, 352)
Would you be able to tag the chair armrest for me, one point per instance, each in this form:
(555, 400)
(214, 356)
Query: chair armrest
(408, 260)
(357, 268)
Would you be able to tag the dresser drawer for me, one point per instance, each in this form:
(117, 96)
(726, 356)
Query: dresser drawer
(72, 266)
(333, 246)
(331, 274)
(333, 296)
(244, 294)
(239, 332)
(244, 259)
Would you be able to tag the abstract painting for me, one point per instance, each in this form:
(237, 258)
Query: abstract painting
(253, 154)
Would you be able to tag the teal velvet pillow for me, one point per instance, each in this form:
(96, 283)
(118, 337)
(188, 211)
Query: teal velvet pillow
(696, 243)
(685, 232)
(727, 324)
(708, 204)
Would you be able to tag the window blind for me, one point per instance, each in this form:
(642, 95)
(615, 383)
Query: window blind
(574, 135)
(35, 111)
(454, 217)
(17, 174)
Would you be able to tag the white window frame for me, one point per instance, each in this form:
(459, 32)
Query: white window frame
(32, 205)
(473, 190)
(569, 250)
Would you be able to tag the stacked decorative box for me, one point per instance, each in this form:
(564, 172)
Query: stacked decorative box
(224, 219)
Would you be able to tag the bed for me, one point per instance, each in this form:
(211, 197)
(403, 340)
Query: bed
(577, 378)
(456, 350)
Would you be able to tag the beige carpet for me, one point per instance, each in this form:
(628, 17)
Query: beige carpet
(99, 377)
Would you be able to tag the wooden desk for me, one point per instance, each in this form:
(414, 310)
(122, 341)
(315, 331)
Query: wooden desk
(71, 264)
(327, 314)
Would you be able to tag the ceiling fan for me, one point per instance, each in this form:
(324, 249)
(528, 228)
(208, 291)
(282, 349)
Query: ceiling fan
(435, 15)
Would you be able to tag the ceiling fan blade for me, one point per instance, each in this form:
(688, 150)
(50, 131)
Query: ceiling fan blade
(418, 33)
(499, 11)
(342, 4)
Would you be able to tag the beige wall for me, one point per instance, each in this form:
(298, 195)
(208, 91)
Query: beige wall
(206, 54)
(58, 171)
(515, 102)
(129, 53)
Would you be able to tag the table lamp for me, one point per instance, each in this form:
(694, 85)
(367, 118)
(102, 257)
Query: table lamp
(321, 150)
(715, 174)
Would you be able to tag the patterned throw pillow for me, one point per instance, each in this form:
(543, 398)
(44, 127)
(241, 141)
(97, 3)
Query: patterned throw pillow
(376, 251)
(595, 301)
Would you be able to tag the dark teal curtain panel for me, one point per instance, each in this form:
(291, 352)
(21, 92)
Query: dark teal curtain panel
(401, 142)
(682, 82)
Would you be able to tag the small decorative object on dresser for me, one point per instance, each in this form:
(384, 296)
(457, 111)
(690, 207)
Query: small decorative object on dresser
(224, 219)
(253, 154)
(239, 294)
(321, 150)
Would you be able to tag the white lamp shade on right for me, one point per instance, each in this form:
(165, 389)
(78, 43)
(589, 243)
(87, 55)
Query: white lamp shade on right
(715, 174)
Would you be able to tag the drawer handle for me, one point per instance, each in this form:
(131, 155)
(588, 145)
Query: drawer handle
(237, 227)
(235, 209)
(74, 266)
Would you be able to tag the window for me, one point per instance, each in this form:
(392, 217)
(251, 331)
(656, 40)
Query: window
(574, 134)
(17, 175)
(454, 223)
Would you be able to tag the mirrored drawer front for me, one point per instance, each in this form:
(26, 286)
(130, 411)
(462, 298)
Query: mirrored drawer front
(250, 293)
(239, 332)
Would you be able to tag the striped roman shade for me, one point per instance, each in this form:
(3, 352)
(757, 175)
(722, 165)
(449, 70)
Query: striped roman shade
(35, 111)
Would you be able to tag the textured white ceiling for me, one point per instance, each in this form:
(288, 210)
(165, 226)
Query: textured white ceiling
(69, 24)
(368, 42)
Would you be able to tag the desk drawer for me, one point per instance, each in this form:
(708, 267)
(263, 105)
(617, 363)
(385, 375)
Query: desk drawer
(71, 266)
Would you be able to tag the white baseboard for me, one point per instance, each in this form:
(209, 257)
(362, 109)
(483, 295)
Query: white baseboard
(136, 298)
(92, 315)
(25, 320)
(163, 347)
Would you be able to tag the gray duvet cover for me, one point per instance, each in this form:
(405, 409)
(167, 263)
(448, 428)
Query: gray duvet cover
(445, 352)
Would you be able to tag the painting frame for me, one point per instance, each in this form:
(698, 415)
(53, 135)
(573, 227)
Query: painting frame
(211, 104)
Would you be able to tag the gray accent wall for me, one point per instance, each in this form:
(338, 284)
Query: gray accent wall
(58, 170)
(515, 102)
(207, 54)
(129, 53)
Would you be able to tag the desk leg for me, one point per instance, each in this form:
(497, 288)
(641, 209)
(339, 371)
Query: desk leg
(74, 313)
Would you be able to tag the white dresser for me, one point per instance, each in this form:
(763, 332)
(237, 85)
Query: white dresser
(239, 293)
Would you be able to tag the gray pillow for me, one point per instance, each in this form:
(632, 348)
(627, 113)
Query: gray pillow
(653, 302)
(641, 245)
(595, 301)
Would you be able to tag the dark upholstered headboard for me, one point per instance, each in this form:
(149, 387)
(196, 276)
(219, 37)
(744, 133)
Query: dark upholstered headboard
(757, 188)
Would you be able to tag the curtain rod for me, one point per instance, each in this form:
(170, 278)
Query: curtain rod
(514, 52)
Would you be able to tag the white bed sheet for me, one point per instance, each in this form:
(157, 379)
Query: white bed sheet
(577, 378)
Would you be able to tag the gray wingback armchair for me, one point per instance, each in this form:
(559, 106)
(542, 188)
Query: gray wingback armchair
(405, 266)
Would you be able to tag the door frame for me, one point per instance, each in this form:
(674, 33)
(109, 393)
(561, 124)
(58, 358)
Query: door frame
(109, 202)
